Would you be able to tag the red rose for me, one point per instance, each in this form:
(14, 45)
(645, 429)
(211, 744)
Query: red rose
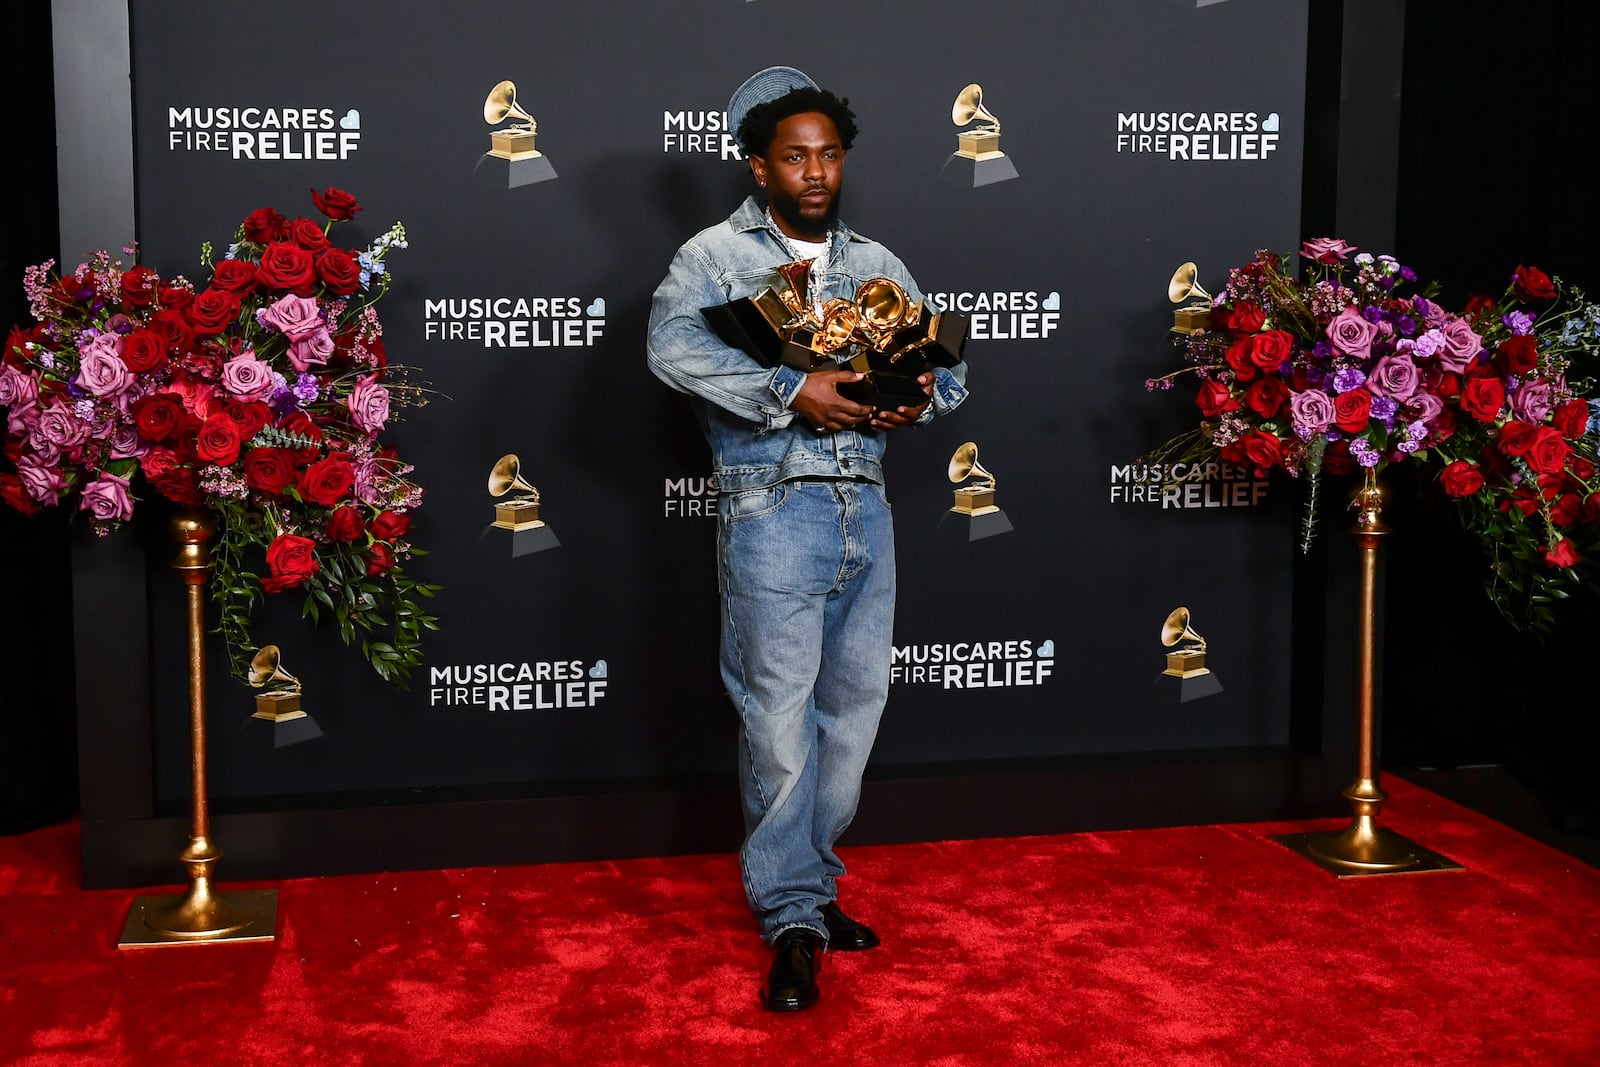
(1476, 305)
(158, 415)
(1580, 468)
(1238, 358)
(1269, 350)
(308, 235)
(380, 560)
(1548, 451)
(1266, 396)
(174, 295)
(1591, 508)
(1571, 419)
(1263, 449)
(1449, 385)
(1482, 396)
(286, 266)
(300, 424)
(326, 481)
(12, 492)
(270, 470)
(1246, 317)
(264, 226)
(339, 272)
(144, 350)
(1443, 427)
(250, 417)
(335, 203)
(236, 276)
(1351, 410)
(1461, 479)
(1518, 355)
(178, 485)
(389, 525)
(292, 560)
(173, 326)
(1563, 555)
(1336, 460)
(139, 287)
(218, 440)
(345, 524)
(1214, 398)
(1566, 509)
(1515, 437)
(1531, 283)
(212, 311)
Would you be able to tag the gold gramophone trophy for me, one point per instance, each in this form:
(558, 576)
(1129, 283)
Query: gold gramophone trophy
(512, 159)
(977, 159)
(516, 519)
(977, 515)
(1195, 316)
(1187, 677)
(275, 705)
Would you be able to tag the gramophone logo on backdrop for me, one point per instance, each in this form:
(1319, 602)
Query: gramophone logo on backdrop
(517, 529)
(974, 664)
(974, 515)
(515, 321)
(691, 498)
(512, 161)
(1199, 136)
(265, 133)
(1186, 676)
(977, 159)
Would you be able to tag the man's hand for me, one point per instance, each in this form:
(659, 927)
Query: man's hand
(903, 415)
(819, 402)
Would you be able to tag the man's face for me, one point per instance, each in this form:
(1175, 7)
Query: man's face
(801, 172)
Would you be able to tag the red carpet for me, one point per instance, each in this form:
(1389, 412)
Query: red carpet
(1207, 945)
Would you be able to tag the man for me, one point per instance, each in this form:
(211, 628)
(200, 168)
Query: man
(805, 548)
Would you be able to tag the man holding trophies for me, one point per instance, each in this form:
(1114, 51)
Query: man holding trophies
(805, 547)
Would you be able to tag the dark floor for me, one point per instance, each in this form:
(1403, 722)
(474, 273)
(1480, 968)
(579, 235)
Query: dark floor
(1528, 809)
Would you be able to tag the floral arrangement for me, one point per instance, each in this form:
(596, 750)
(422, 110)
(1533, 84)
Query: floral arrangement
(261, 397)
(1350, 368)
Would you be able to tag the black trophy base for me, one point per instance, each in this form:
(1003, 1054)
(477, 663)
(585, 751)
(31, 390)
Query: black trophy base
(1170, 689)
(512, 173)
(293, 731)
(499, 541)
(959, 527)
(971, 173)
(884, 392)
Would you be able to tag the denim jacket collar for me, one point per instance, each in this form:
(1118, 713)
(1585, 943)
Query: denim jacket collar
(752, 215)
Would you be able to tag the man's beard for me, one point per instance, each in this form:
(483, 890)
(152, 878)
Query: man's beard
(787, 209)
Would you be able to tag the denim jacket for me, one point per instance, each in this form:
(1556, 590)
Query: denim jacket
(743, 408)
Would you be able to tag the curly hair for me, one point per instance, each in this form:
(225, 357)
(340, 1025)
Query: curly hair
(760, 124)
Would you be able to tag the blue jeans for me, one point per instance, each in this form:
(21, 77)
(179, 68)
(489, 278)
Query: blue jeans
(806, 570)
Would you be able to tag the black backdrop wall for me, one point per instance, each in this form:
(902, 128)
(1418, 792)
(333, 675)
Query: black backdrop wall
(698, 752)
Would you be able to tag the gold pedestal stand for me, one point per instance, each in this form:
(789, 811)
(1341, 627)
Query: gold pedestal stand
(1364, 847)
(202, 915)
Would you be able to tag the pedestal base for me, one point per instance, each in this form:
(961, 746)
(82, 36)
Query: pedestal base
(973, 527)
(1359, 850)
(294, 731)
(243, 915)
(971, 173)
(1170, 689)
(513, 173)
(498, 541)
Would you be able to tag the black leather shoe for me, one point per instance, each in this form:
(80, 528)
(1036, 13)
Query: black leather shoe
(844, 933)
(796, 959)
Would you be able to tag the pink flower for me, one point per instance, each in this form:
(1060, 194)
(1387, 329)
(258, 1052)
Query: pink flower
(1533, 401)
(106, 498)
(1394, 376)
(247, 378)
(1311, 413)
(60, 426)
(297, 317)
(1460, 345)
(312, 350)
(1329, 250)
(101, 370)
(1351, 334)
(17, 389)
(43, 483)
(369, 404)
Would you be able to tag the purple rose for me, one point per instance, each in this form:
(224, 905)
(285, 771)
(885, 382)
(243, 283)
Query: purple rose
(1311, 411)
(1432, 314)
(1533, 402)
(43, 483)
(1394, 376)
(60, 426)
(101, 370)
(369, 404)
(247, 378)
(1460, 345)
(311, 350)
(298, 317)
(1423, 407)
(17, 389)
(1351, 334)
(106, 498)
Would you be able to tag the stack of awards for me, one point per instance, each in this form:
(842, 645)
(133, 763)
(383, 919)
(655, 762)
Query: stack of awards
(881, 334)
